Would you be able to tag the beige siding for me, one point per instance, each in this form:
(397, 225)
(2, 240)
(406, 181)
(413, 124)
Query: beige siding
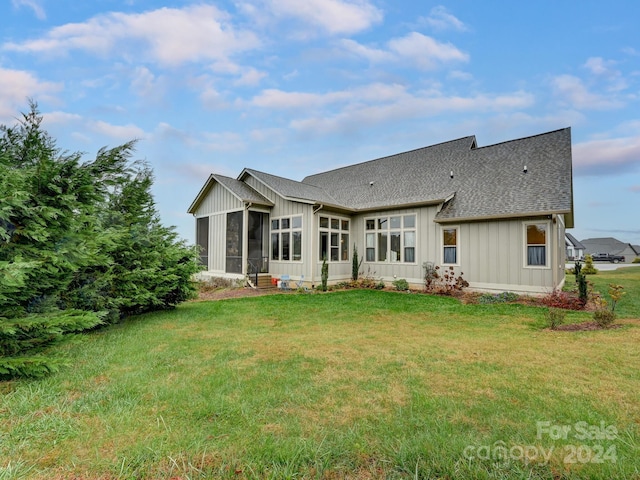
(217, 200)
(493, 253)
(216, 204)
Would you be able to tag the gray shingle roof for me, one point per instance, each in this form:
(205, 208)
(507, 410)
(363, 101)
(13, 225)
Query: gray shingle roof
(574, 241)
(487, 181)
(240, 189)
(291, 189)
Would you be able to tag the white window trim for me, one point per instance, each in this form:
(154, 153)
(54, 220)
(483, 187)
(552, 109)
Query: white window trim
(339, 231)
(547, 236)
(289, 230)
(388, 230)
(457, 229)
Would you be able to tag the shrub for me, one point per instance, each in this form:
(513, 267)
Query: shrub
(583, 287)
(636, 260)
(555, 317)
(565, 300)
(380, 285)
(503, 297)
(355, 264)
(401, 284)
(324, 274)
(603, 317)
(588, 268)
(442, 282)
(616, 294)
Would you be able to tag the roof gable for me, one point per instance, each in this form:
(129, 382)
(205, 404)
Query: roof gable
(240, 190)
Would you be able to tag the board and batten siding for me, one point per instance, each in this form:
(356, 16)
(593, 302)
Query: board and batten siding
(215, 205)
(287, 208)
(492, 256)
(426, 246)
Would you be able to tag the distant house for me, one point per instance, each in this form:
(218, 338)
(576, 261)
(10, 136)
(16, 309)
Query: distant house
(496, 214)
(612, 246)
(575, 249)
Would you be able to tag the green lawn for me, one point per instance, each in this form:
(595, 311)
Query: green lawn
(350, 384)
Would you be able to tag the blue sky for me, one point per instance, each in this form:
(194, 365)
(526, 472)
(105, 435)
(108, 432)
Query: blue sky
(293, 87)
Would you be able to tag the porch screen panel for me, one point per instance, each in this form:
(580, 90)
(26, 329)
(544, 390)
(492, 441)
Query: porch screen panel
(234, 242)
(202, 239)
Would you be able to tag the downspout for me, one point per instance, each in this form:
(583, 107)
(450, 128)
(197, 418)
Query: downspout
(554, 250)
(314, 236)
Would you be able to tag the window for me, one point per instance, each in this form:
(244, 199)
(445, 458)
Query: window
(334, 239)
(536, 244)
(450, 246)
(391, 239)
(286, 239)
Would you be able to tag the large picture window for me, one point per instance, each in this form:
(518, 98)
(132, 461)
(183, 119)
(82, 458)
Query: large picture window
(391, 239)
(286, 239)
(334, 239)
(536, 244)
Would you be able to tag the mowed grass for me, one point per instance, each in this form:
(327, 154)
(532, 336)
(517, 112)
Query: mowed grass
(350, 384)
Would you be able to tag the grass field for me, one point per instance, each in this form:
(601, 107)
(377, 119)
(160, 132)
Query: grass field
(350, 384)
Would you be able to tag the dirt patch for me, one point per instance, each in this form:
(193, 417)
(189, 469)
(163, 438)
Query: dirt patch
(205, 295)
(585, 327)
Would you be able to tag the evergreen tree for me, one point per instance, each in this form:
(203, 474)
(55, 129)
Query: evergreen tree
(80, 244)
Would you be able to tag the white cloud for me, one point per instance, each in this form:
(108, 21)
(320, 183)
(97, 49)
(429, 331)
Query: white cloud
(168, 36)
(607, 156)
(34, 5)
(572, 90)
(440, 19)
(415, 49)
(18, 86)
(250, 77)
(118, 132)
(335, 17)
(363, 109)
(144, 82)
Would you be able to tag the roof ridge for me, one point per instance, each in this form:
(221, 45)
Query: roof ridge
(472, 137)
(523, 138)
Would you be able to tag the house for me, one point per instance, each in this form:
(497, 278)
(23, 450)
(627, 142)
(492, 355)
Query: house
(496, 214)
(575, 249)
(611, 246)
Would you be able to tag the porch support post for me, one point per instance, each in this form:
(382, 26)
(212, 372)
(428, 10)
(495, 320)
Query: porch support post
(245, 239)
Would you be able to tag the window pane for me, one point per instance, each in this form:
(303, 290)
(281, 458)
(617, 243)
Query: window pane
(395, 222)
(334, 239)
(324, 245)
(450, 254)
(395, 246)
(285, 245)
(536, 256)
(409, 254)
(284, 223)
(409, 221)
(345, 224)
(202, 237)
(324, 222)
(296, 222)
(335, 224)
(334, 254)
(344, 247)
(449, 237)
(371, 254)
(275, 246)
(371, 240)
(297, 245)
(383, 223)
(371, 224)
(409, 239)
(275, 224)
(382, 247)
(536, 234)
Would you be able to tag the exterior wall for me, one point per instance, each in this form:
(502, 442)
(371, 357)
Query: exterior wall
(217, 203)
(493, 256)
(287, 208)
